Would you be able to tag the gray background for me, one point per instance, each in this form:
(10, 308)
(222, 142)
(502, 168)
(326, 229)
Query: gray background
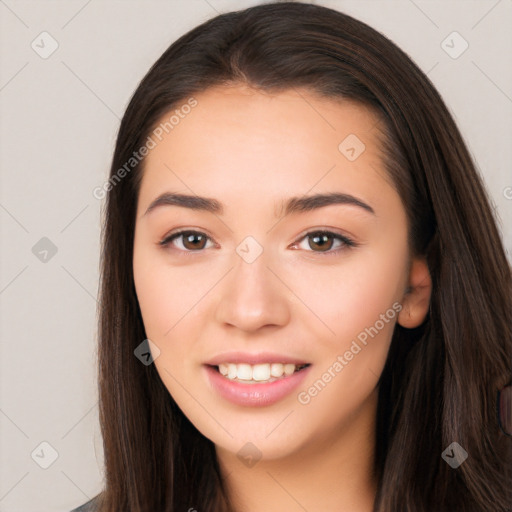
(59, 118)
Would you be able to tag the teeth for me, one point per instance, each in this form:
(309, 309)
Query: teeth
(276, 369)
(289, 369)
(258, 372)
(244, 371)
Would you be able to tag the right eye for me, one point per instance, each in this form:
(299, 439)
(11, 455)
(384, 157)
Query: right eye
(192, 241)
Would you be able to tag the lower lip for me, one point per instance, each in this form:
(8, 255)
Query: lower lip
(255, 395)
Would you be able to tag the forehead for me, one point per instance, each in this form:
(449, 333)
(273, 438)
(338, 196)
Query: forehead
(238, 141)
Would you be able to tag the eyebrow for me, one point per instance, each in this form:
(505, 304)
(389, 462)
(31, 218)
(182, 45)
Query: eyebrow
(292, 205)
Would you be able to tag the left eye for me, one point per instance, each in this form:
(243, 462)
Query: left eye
(320, 239)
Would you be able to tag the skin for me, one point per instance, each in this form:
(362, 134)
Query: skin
(250, 150)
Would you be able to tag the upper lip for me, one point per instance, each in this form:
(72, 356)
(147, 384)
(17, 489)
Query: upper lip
(248, 358)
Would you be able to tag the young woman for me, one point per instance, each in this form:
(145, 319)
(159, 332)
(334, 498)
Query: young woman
(305, 301)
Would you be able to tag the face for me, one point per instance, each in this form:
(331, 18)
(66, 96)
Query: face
(262, 281)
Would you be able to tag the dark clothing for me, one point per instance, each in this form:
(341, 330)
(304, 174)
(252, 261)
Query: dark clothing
(90, 506)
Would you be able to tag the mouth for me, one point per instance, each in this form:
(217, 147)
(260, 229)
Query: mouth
(261, 373)
(255, 385)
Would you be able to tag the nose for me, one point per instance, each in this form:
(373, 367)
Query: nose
(252, 296)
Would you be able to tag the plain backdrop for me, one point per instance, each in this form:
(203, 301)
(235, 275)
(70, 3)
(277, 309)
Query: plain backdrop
(60, 113)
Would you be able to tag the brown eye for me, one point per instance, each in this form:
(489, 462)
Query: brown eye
(322, 242)
(192, 241)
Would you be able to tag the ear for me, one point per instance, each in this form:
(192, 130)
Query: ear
(416, 300)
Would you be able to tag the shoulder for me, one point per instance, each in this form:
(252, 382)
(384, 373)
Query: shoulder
(90, 506)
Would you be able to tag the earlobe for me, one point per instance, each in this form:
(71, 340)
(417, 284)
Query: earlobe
(416, 300)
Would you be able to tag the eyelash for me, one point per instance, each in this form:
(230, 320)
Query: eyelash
(348, 243)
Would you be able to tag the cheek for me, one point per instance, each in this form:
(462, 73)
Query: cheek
(163, 300)
(165, 293)
(166, 297)
(359, 302)
(350, 297)
(150, 286)
(172, 301)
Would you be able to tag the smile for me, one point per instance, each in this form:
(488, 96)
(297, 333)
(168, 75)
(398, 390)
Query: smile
(263, 372)
(250, 392)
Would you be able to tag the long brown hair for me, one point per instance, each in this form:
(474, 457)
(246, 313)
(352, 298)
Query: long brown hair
(440, 380)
